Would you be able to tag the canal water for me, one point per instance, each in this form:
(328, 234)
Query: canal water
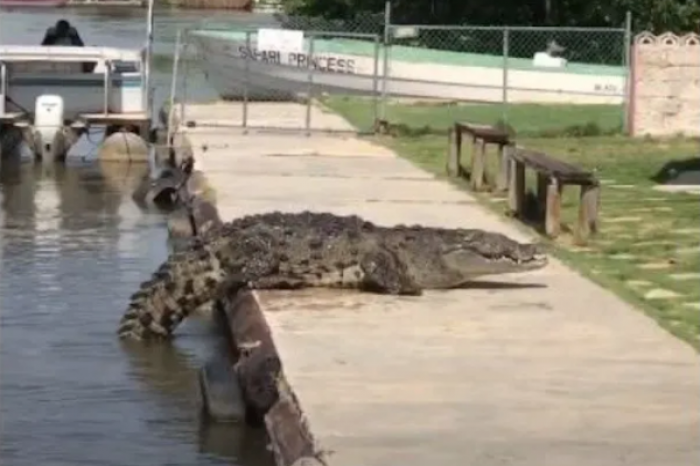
(73, 248)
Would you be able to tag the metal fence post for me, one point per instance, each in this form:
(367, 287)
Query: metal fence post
(185, 73)
(627, 63)
(309, 95)
(375, 80)
(506, 52)
(385, 68)
(246, 80)
(173, 88)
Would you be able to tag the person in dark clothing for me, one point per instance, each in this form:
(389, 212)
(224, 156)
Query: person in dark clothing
(62, 34)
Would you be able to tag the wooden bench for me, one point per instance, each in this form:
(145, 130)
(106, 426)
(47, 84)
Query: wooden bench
(552, 176)
(481, 135)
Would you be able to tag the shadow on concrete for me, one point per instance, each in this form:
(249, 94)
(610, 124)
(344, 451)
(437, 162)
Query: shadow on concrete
(679, 172)
(489, 285)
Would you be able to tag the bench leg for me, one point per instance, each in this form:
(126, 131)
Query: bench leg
(478, 160)
(552, 222)
(587, 213)
(453, 157)
(503, 168)
(542, 186)
(516, 187)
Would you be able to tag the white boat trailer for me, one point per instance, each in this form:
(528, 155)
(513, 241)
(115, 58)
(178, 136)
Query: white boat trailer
(52, 95)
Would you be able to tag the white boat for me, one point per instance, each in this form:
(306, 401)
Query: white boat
(116, 85)
(56, 92)
(234, 62)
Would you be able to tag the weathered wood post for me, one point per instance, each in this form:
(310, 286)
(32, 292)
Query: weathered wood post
(503, 167)
(452, 164)
(588, 212)
(516, 188)
(542, 186)
(552, 224)
(478, 161)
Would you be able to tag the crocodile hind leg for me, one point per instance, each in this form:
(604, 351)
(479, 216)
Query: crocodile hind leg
(384, 272)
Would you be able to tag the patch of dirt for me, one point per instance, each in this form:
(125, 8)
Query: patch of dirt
(687, 231)
(624, 220)
(644, 244)
(638, 283)
(653, 209)
(656, 227)
(685, 276)
(623, 257)
(655, 265)
(574, 248)
(688, 250)
(660, 293)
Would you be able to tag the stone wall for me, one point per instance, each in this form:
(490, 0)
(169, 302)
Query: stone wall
(665, 85)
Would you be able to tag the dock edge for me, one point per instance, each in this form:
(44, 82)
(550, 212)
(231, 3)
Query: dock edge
(252, 344)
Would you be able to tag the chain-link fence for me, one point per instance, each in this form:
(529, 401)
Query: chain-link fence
(368, 73)
(537, 80)
(282, 89)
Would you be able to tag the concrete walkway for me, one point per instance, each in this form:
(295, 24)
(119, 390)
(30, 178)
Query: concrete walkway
(550, 371)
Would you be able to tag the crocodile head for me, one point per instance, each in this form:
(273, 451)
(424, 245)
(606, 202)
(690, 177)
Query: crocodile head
(441, 258)
(472, 253)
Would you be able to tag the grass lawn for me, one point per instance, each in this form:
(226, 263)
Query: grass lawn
(527, 119)
(648, 247)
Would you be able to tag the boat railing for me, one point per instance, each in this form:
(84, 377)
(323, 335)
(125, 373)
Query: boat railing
(31, 53)
(20, 59)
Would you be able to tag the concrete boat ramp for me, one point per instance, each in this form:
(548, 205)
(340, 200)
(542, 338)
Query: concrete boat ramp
(539, 369)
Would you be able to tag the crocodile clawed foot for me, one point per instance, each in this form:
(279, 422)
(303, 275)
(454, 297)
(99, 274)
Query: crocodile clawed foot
(134, 328)
(385, 273)
(131, 330)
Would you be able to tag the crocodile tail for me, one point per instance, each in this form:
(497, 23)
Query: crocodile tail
(180, 285)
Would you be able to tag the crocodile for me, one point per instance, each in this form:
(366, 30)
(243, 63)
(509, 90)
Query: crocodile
(299, 250)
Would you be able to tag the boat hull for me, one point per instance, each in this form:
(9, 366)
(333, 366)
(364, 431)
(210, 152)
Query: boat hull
(81, 94)
(27, 79)
(235, 71)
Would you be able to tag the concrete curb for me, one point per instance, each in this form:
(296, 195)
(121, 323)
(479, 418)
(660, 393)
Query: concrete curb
(269, 399)
(265, 389)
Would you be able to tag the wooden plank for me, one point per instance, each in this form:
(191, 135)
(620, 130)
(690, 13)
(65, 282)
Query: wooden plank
(478, 165)
(552, 224)
(552, 166)
(588, 213)
(490, 134)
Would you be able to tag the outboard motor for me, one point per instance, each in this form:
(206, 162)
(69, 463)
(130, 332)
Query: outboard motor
(49, 143)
